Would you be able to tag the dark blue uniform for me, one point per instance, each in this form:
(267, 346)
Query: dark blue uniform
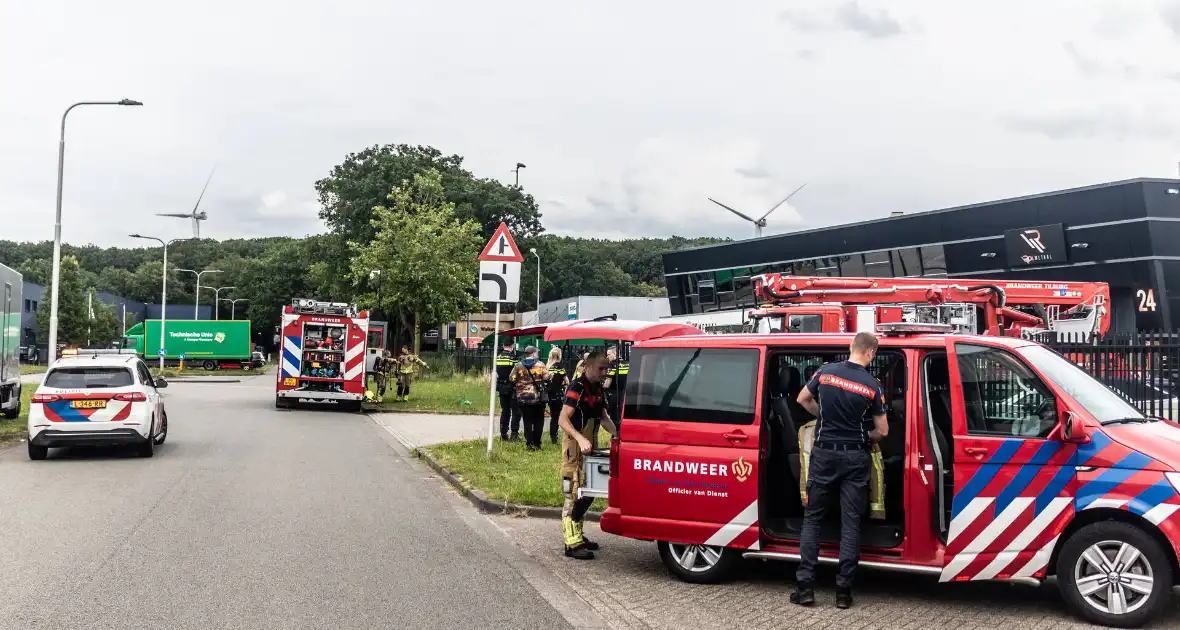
(840, 463)
(505, 361)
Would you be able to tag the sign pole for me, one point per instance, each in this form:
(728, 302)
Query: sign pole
(492, 387)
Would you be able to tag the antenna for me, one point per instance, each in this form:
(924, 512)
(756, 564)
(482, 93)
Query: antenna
(760, 222)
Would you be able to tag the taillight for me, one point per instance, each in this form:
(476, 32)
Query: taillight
(614, 458)
(45, 398)
(131, 397)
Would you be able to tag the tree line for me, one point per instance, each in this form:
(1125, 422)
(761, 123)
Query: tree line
(410, 213)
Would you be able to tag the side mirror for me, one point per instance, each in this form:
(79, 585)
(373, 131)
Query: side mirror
(1073, 430)
(161, 383)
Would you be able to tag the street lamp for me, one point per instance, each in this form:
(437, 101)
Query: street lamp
(61, 165)
(233, 306)
(517, 171)
(217, 300)
(163, 290)
(197, 294)
(533, 251)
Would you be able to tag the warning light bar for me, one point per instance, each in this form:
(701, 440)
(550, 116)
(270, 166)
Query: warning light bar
(906, 328)
(314, 307)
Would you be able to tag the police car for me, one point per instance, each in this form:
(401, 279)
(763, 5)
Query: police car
(98, 398)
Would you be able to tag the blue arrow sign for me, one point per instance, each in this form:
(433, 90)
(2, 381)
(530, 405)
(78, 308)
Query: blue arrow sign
(181, 357)
(163, 352)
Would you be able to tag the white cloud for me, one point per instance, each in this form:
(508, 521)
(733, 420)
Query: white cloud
(628, 114)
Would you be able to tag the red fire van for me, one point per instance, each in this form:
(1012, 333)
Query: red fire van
(1003, 460)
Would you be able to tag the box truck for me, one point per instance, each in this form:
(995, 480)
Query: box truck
(208, 344)
(11, 283)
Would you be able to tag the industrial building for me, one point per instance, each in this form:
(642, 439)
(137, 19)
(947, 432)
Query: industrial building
(1125, 233)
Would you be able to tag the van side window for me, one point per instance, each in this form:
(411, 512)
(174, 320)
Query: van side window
(1003, 397)
(692, 385)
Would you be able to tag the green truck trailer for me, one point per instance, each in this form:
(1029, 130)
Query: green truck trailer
(208, 344)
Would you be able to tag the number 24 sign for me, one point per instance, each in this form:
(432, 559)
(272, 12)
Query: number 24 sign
(1146, 299)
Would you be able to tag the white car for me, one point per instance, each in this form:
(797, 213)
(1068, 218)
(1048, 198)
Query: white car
(95, 400)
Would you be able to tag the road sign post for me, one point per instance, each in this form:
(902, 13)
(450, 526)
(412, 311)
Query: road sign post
(499, 282)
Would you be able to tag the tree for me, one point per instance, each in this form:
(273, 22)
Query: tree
(73, 319)
(427, 256)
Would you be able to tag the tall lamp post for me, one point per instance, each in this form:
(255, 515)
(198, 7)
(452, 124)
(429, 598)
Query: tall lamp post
(163, 289)
(533, 251)
(217, 300)
(197, 293)
(233, 306)
(517, 171)
(61, 167)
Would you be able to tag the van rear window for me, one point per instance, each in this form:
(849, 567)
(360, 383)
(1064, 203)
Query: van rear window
(88, 377)
(692, 385)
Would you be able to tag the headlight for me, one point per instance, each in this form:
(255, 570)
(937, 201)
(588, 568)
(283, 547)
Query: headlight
(1174, 478)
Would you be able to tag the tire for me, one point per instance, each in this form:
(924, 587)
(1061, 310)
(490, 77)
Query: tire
(350, 406)
(1151, 569)
(38, 453)
(209, 365)
(281, 403)
(147, 448)
(704, 569)
(163, 431)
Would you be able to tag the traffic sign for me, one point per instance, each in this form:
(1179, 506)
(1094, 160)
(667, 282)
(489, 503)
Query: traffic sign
(501, 248)
(499, 281)
(181, 356)
(163, 352)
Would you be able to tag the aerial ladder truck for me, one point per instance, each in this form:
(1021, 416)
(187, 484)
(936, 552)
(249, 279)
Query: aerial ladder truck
(806, 304)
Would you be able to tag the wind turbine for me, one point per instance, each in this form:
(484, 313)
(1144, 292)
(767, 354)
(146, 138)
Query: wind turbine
(760, 222)
(196, 216)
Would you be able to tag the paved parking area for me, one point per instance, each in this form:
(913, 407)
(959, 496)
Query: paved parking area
(629, 586)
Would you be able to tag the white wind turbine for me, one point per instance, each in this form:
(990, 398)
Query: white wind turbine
(196, 216)
(760, 222)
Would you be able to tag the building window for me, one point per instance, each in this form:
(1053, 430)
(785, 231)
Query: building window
(877, 265)
(906, 262)
(933, 261)
(743, 292)
(852, 266)
(827, 267)
(724, 281)
(706, 294)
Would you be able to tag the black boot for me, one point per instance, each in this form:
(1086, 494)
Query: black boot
(804, 595)
(843, 598)
(579, 553)
(589, 544)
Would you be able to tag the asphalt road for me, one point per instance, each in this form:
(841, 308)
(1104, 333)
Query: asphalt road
(249, 517)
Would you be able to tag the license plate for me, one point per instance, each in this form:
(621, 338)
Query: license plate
(88, 404)
(289, 382)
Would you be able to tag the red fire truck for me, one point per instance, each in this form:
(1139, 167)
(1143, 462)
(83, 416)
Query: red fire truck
(323, 354)
(804, 304)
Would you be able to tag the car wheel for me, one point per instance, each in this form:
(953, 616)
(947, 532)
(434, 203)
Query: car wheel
(147, 448)
(700, 564)
(281, 403)
(1114, 574)
(163, 431)
(209, 366)
(38, 453)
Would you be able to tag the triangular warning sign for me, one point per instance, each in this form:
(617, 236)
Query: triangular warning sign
(501, 248)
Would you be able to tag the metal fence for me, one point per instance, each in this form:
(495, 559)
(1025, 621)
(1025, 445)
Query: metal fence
(1143, 367)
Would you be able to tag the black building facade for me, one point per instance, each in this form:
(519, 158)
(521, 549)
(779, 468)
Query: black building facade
(1126, 234)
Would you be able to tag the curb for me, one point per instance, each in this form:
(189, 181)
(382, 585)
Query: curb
(481, 500)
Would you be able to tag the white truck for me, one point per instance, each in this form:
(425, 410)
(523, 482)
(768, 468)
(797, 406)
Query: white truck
(11, 283)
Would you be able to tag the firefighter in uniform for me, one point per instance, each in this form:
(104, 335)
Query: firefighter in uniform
(558, 382)
(616, 383)
(505, 361)
(841, 396)
(583, 411)
(407, 366)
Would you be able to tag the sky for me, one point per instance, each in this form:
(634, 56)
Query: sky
(628, 115)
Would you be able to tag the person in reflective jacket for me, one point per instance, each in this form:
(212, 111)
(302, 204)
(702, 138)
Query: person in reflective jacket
(558, 382)
(505, 361)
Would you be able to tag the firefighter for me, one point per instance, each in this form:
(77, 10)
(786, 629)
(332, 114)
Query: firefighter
(383, 369)
(616, 383)
(505, 361)
(583, 411)
(840, 395)
(407, 366)
(558, 382)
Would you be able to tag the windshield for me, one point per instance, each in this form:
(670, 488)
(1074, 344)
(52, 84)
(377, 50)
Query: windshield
(1091, 394)
(88, 378)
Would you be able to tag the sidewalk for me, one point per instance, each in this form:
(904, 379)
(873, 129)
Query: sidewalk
(424, 429)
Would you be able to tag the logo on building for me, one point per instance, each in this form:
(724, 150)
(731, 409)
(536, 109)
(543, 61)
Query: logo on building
(742, 469)
(1033, 239)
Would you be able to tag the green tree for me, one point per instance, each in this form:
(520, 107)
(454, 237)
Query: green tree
(428, 257)
(71, 309)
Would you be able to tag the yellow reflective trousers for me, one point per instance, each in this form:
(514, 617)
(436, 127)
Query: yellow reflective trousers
(876, 478)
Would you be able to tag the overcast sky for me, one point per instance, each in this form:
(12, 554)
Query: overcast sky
(628, 114)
